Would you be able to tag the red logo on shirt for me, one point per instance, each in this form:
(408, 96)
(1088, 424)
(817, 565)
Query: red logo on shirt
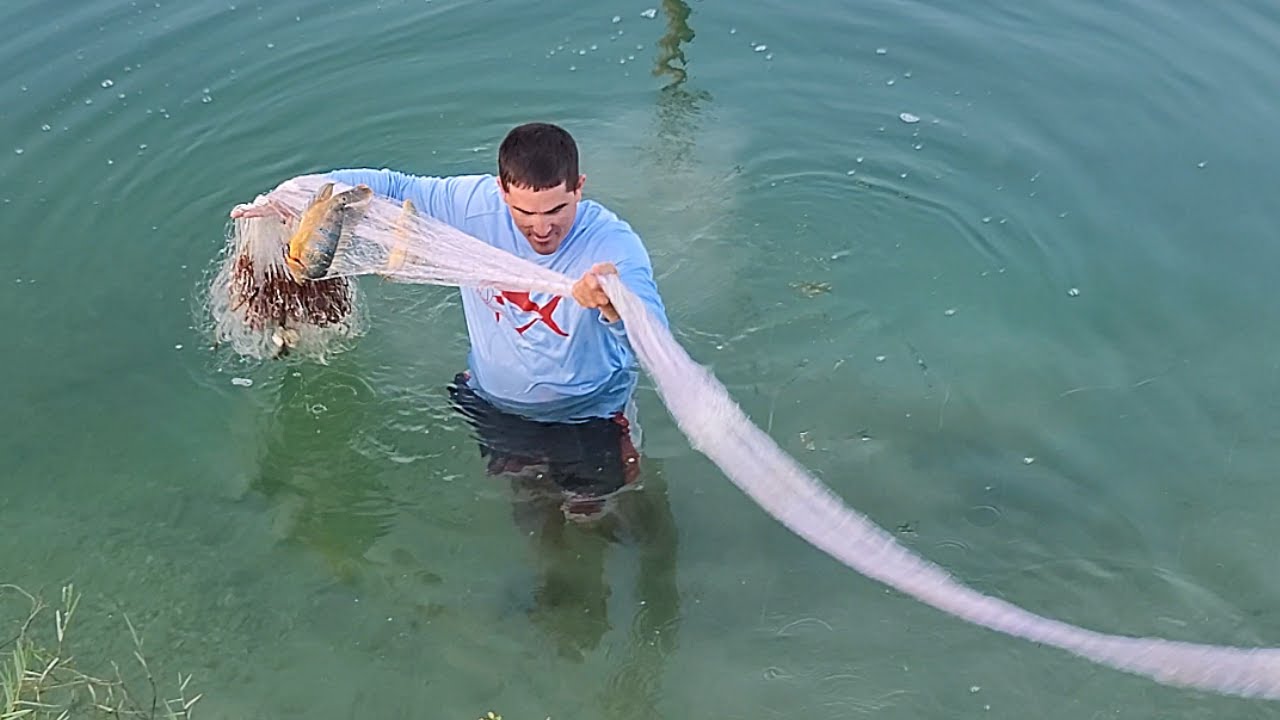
(522, 301)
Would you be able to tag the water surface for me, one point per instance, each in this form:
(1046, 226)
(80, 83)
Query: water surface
(1031, 333)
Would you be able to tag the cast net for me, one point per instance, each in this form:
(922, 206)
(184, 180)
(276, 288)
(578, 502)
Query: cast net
(262, 312)
(397, 243)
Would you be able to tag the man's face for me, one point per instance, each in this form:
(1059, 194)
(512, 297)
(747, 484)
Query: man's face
(543, 216)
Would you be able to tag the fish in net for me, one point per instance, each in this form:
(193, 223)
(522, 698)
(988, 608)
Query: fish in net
(265, 304)
(398, 243)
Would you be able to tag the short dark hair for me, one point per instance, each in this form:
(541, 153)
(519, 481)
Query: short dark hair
(538, 156)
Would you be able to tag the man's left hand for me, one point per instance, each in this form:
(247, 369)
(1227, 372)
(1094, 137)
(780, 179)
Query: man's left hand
(590, 294)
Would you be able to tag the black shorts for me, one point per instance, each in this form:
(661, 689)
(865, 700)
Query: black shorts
(589, 459)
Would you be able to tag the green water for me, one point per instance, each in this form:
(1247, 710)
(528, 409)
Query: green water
(324, 544)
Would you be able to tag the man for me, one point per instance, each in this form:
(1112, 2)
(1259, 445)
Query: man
(549, 383)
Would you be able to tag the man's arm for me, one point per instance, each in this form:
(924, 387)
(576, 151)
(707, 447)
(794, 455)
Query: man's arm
(635, 271)
(443, 198)
(434, 196)
(637, 274)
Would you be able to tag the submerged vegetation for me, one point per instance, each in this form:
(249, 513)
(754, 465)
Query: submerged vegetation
(43, 678)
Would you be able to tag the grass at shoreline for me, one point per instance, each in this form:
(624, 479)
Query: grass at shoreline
(42, 677)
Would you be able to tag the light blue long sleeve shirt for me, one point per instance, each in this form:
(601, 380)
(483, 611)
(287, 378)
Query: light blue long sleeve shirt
(537, 355)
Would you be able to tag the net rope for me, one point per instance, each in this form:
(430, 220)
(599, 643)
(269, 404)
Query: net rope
(407, 246)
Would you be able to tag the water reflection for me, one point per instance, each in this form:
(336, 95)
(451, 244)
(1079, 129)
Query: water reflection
(679, 108)
(312, 472)
(671, 44)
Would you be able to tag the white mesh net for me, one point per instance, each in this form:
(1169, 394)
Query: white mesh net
(409, 247)
(261, 312)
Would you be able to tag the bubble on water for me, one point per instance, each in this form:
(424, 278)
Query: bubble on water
(110, 161)
(594, 48)
(178, 346)
(890, 81)
(271, 46)
(23, 87)
(733, 31)
(858, 160)
(907, 74)
(651, 13)
(573, 68)
(1025, 461)
(769, 56)
(88, 101)
(1074, 292)
(108, 83)
(617, 18)
(639, 47)
(908, 118)
(622, 61)
(1201, 164)
(882, 51)
(949, 312)
(241, 382)
(851, 172)
(206, 99)
(880, 358)
(760, 48)
(582, 52)
(631, 57)
(18, 151)
(45, 128)
(919, 146)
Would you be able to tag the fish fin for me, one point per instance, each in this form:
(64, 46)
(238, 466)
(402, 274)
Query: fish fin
(324, 193)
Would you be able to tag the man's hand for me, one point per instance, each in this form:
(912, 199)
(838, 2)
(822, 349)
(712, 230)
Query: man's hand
(262, 207)
(589, 294)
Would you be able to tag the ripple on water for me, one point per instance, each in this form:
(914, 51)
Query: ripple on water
(983, 516)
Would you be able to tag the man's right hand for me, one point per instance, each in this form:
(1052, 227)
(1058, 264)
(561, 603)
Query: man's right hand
(262, 207)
